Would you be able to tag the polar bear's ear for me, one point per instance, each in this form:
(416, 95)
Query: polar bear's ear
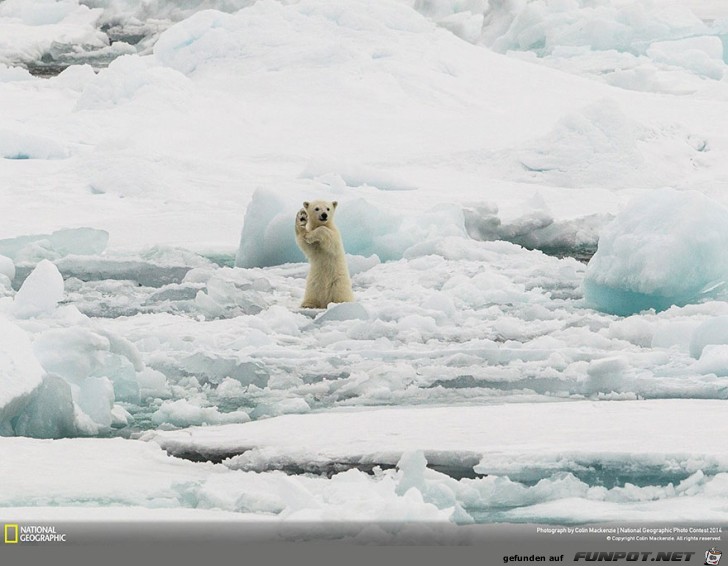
(305, 205)
(334, 204)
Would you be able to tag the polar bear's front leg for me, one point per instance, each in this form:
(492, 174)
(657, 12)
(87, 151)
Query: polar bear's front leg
(321, 235)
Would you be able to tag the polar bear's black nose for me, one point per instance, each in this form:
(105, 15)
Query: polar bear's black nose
(324, 216)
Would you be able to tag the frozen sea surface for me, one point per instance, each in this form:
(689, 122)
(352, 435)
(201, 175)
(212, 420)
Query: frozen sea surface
(150, 281)
(532, 464)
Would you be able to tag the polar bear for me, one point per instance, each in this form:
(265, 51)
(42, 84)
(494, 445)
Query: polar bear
(318, 237)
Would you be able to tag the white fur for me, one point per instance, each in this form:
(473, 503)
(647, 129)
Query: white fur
(318, 237)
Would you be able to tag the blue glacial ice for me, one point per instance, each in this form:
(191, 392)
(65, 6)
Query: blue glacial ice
(367, 229)
(666, 248)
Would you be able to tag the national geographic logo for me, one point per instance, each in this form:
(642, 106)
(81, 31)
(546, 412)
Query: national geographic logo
(11, 534)
(18, 534)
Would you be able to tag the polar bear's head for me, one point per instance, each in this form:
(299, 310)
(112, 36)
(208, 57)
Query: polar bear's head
(320, 212)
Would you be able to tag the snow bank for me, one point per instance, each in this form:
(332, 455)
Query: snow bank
(666, 248)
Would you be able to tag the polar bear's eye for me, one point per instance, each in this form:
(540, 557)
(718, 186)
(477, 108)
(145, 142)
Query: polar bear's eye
(316, 209)
(327, 209)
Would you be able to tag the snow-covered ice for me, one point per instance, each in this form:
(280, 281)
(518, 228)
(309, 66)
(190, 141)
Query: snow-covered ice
(41, 291)
(150, 281)
(563, 476)
(666, 248)
(480, 439)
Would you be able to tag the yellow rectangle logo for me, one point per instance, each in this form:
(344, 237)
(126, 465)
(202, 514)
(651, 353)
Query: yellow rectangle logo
(11, 534)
